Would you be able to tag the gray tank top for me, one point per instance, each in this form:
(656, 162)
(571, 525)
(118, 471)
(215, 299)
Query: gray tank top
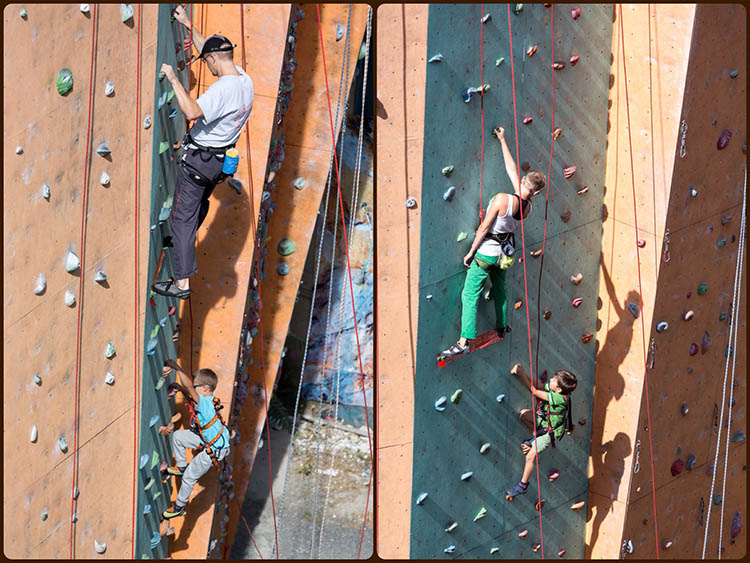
(502, 224)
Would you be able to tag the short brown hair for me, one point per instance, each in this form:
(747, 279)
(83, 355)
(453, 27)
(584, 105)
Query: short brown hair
(206, 377)
(537, 180)
(567, 381)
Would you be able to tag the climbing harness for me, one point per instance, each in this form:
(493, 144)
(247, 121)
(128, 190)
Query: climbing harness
(544, 410)
(200, 429)
(683, 131)
(667, 257)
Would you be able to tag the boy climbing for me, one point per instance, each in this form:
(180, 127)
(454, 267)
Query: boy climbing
(553, 419)
(493, 250)
(208, 433)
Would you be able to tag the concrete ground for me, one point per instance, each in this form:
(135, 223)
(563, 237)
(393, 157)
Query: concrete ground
(298, 537)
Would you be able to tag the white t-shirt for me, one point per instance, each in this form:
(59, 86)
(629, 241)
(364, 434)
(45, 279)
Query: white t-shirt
(226, 106)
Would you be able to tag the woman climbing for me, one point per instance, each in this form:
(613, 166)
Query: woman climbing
(493, 249)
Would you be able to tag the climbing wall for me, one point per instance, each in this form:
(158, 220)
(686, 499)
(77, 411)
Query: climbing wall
(694, 296)
(56, 340)
(294, 183)
(446, 444)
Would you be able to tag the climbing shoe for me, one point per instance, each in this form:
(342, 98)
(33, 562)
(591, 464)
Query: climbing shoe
(174, 512)
(455, 350)
(174, 470)
(510, 494)
(169, 289)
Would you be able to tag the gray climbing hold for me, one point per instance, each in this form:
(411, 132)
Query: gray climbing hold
(37, 379)
(109, 379)
(734, 74)
(447, 170)
(661, 326)
(282, 269)
(23, 13)
(436, 59)
(339, 31)
(690, 463)
(72, 262)
(44, 514)
(500, 398)
(126, 13)
(46, 191)
(34, 434)
(421, 498)
(633, 308)
(109, 350)
(466, 476)
(19, 150)
(286, 247)
(299, 183)
(147, 122)
(450, 549)
(461, 236)
(85, 8)
(485, 448)
(452, 527)
(517, 9)
(441, 403)
(64, 81)
(62, 444)
(109, 89)
(70, 298)
(411, 203)
(41, 284)
(101, 547)
(100, 276)
(236, 185)
(449, 193)
(104, 179)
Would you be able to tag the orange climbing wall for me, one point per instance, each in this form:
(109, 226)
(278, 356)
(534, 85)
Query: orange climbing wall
(306, 128)
(225, 240)
(712, 101)
(655, 120)
(40, 331)
(401, 68)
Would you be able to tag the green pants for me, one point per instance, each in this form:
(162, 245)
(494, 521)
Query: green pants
(473, 289)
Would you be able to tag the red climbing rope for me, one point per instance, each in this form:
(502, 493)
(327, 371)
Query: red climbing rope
(136, 287)
(348, 270)
(481, 106)
(525, 283)
(640, 286)
(86, 164)
(249, 533)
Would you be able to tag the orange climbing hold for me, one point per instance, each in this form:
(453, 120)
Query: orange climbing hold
(556, 133)
(587, 337)
(568, 171)
(579, 505)
(558, 65)
(536, 253)
(531, 50)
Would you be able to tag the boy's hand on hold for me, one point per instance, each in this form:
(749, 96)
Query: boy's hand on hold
(516, 369)
(499, 132)
(166, 430)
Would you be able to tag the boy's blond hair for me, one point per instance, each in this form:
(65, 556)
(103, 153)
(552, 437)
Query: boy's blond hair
(206, 377)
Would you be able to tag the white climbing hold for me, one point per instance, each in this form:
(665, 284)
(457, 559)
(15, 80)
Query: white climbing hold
(104, 180)
(421, 498)
(450, 549)
(147, 122)
(662, 326)
(85, 8)
(109, 89)
(299, 183)
(486, 18)
(46, 191)
(100, 276)
(41, 284)
(70, 298)
(62, 444)
(339, 31)
(34, 434)
(440, 403)
(500, 398)
(72, 262)
(428, 297)
(37, 379)
(109, 379)
(411, 203)
(76, 492)
(485, 448)
(436, 58)
(126, 12)
(100, 547)
(19, 150)
(103, 149)
(693, 192)
(449, 193)
(452, 527)
(466, 476)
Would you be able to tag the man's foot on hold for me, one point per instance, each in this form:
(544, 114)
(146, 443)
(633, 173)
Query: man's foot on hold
(174, 470)
(455, 350)
(519, 489)
(169, 289)
(174, 511)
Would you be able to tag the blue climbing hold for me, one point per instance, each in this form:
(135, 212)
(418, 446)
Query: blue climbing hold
(151, 346)
(143, 461)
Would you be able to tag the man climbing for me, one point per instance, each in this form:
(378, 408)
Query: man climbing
(493, 249)
(219, 114)
(553, 419)
(208, 433)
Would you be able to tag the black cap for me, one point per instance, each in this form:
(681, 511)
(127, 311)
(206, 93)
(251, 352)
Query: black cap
(214, 44)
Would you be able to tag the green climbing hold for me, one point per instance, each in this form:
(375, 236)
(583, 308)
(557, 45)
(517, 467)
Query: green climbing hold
(517, 9)
(64, 81)
(286, 247)
(44, 514)
(481, 514)
(499, 61)
(734, 74)
(723, 316)
(155, 459)
(109, 351)
(461, 236)
(456, 397)
(738, 436)
(447, 170)
(162, 75)
(702, 288)
(23, 13)
(163, 147)
(362, 52)
(299, 183)
(170, 96)
(721, 242)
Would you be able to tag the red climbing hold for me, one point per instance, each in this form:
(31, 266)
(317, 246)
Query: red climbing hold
(676, 468)
(693, 349)
(527, 120)
(152, 302)
(568, 171)
(540, 504)
(561, 553)
(641, 243)
(586, 337)
(558, 65)
(543, 378)
(523, 533)
(575, 14)
(565, 217)
(525, 166)
(723, 140)
(582, 190)
(736, 525)
(553, 474)
(574, 59)
(577, 302)
(581, 422)
(547, 314)
(706, 343)
(531, 50)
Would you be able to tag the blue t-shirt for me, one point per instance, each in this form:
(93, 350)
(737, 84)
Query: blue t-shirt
(205, 412)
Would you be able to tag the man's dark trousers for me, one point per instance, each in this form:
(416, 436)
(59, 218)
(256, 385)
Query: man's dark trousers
(191, 206)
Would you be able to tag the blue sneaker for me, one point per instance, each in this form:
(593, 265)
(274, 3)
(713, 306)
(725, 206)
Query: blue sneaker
(510, 494)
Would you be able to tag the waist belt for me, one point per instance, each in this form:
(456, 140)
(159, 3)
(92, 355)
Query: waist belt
(212, 150)
(499, 237)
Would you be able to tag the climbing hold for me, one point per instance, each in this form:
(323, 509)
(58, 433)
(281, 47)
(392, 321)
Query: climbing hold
(721, 242)
(531, 50)
(666, 544)
(693, 350)
(44, 514)
(736, 527)
(527, 120)
(411, 203)
(568, 171)
(486, 18)
(481, 514)
(163, 147)
(282, 269)
(499, 61)
(661, 326)
(641, 243)
(558, 65)
(705, 343)
(466, 476)
(109, 89)
(104, 180)
(109, 350)
(452, 527)
(577, 302)
(576, 278)
(556, 133)
(62, 444)
(565, 216)
(109, 379)
(553, 474)
(725, 219)
(46, 191)
(561, 553)
(76, 492)
(574, 59)
(299, 183)
(447, 170)
(536, 547)
(23, 13)
(717, 500)
(41, 284)
(147, 122)
(723, 140)
(485, 448)
(702, 288)
(64, 81)
(456, 397)
(19, 150)
(738, 436)
(151, 346)
(70, 298)
(693, 192)
(449, 193)
(461, 236)
(500, 398)
(523, 533)
(428, 297)
(172, 114)
(676, 468)
(525, 166)
(441, 403)
(582, 190)
(37, 379)
(84, 8)
(687, 315)
(235, 184)
(450, 549)
(494, 550)
(339, 31)
(286, 247)
(72, 263)
(143, 461)
(547, 314)
(634, 310)
(684, 409)
(421, 498)
(100, 276)
(578, 505)
(517, 9)
(126, 12)
(734, 74)
(34, 434)
(147, 509)
(690, 463)
(162, 100)
(587, 337)
(100, 547)
(535, 253)
(518, 304)
(436, 58)
(576, 13)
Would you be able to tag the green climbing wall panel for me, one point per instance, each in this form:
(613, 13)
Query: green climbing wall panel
(158, 346)
(446, 444)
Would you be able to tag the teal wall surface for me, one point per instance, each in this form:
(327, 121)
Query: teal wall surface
(446, 444)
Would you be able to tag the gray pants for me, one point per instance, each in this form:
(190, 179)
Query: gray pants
(191, 206)
(200, 464)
